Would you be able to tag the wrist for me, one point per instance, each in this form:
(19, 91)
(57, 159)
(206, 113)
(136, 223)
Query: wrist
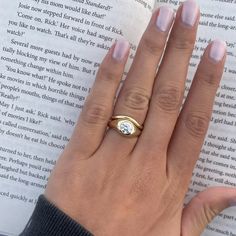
(48, 220)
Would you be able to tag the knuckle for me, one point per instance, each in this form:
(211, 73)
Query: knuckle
(168, 99)
(108, 72)
(95, 114)
(197, 124)
(208, 78)
(209, 212)
(182, 43)
(136, 99)
(152, 45)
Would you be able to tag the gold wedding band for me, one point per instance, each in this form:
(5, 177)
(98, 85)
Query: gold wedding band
(126, 126)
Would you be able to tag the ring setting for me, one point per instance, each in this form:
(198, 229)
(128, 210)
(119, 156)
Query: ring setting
(126, 126)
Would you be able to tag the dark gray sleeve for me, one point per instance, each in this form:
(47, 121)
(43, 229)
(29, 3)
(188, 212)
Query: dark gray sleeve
(47, 220)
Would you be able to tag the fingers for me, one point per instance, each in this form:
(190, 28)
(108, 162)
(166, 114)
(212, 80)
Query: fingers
(134, 97)
(170, 83)
(98, 107)
(194, 119)
(204, 208)
(135, 94)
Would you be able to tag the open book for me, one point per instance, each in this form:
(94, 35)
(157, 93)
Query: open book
(50, 51)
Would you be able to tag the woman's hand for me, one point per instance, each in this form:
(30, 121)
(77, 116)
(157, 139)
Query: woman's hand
(114, 185)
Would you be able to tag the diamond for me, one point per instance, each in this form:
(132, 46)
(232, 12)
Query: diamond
(126, 127)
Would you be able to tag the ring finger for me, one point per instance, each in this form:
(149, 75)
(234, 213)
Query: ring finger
(169, 87)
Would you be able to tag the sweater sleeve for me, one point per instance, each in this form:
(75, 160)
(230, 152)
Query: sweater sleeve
(47, 220)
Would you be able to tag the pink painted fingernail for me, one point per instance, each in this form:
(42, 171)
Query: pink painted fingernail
(190, 12)
(218, 50)
(121, 49)
(164, 18)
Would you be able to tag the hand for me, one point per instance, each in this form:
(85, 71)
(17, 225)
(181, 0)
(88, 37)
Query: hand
(114, 185)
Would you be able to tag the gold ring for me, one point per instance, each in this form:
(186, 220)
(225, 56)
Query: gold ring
(126, 126)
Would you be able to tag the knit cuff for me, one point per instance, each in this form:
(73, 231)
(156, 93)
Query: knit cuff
(47, 220)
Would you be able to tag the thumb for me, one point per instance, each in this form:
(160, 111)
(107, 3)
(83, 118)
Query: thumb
(204, 207)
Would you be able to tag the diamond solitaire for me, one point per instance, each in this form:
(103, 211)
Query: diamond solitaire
(126, 126)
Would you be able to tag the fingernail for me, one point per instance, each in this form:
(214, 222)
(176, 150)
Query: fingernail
(121, 49)
(189, 12)
(217, 51)
(164, 18)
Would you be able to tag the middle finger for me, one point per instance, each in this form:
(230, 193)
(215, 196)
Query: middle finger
(134, 97)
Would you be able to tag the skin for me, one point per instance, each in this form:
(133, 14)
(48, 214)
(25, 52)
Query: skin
(118, 186)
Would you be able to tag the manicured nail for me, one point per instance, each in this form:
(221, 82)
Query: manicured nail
(217, 51)
(164, 18)
(121, 49)
(190, 12)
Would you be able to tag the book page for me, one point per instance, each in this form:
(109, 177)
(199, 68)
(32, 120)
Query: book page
(217, 162)
(50, 51)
